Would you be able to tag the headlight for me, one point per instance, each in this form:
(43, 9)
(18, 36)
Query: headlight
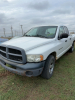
(34, 58)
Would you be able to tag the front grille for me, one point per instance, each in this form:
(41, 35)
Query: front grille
(3, 48)
(3, 54)
(16, 58)
(14, 51)
(13, 54)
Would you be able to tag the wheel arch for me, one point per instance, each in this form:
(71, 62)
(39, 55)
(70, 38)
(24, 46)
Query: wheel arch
(53, 53)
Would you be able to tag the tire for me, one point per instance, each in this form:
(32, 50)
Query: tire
(49, 67)
(72, 48)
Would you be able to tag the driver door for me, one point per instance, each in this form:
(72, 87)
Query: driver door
(63, 44)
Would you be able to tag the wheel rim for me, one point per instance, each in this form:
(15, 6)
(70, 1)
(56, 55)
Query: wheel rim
(51, 67)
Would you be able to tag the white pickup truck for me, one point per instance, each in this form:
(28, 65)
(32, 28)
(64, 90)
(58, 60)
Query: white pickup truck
(36, 52)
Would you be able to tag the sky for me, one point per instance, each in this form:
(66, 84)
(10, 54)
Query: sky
(32, 13)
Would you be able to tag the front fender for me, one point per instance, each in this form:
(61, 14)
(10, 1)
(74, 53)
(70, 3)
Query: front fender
(44, 50)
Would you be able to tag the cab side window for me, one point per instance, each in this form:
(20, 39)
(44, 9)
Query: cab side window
(66, 30)
(61, 31)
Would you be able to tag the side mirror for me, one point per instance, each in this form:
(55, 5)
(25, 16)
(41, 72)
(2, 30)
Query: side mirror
(63, 35)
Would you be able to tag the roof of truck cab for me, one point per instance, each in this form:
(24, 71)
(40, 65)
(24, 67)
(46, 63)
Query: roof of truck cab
(48, 25)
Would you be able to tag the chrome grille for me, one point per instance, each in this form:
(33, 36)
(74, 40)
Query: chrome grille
(3, 48)
(16, 58)
(3, 51)
(3, 54)
(13, 54)
(14, 51)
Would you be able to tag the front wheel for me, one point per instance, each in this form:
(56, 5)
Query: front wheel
(49, 67)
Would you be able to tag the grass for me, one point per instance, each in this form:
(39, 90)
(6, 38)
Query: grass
(60, 87)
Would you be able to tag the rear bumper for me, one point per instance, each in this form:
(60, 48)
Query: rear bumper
(28, 69)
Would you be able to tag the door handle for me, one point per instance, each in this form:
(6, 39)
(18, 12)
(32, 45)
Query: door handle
(65, 40)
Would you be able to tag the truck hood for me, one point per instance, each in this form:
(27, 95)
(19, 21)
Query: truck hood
(28, 43)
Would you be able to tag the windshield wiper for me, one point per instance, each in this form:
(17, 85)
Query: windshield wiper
(28, 35)
(41, 36)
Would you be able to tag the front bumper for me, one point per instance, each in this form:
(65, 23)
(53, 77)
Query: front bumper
(28, 69)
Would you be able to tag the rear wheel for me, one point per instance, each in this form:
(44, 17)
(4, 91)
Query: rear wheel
(49, 67)
(72, 48)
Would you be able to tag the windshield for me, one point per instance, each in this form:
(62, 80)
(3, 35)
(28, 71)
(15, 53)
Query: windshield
(44, 32)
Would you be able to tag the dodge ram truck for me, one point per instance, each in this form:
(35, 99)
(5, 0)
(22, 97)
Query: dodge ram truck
(36, 51)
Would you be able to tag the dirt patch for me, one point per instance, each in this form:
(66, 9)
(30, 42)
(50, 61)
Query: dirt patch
(5, 73)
